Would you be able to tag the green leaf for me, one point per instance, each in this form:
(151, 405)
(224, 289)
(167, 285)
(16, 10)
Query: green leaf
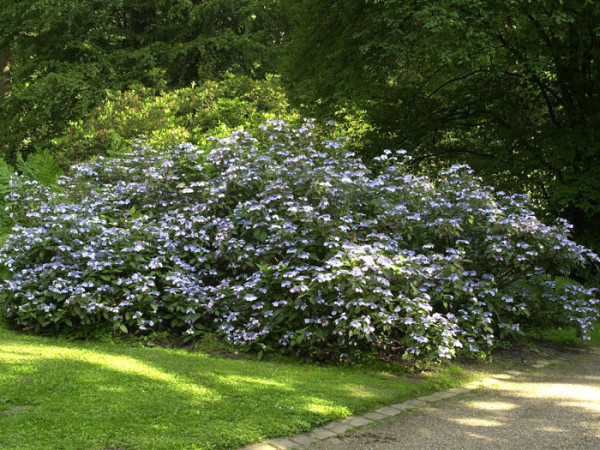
(41, 167)
(259, 235)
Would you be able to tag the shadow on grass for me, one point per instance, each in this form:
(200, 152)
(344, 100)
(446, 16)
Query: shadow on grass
(105, 396)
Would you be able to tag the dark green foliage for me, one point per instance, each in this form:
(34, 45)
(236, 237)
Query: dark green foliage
(6, 171)
(511, 87)
(65, 54)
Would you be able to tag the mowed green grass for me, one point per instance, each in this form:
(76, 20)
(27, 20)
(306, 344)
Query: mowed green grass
(60, 394)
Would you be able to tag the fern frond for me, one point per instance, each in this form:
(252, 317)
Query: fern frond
(41, 167)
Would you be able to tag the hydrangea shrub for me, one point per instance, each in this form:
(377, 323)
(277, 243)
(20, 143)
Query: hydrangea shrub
(285, 244)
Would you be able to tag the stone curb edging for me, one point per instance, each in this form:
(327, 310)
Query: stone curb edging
(340, 427)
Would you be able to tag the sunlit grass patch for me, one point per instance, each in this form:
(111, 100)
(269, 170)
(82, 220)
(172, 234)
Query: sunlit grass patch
(60, 394)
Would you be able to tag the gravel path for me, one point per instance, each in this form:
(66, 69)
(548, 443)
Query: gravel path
(554, 408)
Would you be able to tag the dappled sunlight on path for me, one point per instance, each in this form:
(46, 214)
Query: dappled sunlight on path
(558, 407)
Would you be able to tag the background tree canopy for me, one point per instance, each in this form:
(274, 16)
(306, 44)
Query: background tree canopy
(64, 54)
(509, 86)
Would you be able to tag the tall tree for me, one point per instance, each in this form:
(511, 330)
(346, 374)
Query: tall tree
(510, 86)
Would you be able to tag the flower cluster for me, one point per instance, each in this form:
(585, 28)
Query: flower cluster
(285, 244)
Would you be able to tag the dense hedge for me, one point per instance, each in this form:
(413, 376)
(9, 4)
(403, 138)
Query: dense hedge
(286, 244)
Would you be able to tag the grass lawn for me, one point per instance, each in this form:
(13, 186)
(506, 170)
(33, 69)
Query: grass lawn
(60, 394)
(56, 393)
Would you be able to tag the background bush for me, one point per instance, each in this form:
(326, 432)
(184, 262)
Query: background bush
(169, 118)
(286, 244)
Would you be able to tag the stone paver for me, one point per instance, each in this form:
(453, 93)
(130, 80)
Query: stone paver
(337, 427)
(261, 446)
(458, 390)
(401, 406)
(388, 411)
(375, 416)
(321, 433)
(431, 398)
(282, 443)
(356, 421)
(415, 403)
(302, 439)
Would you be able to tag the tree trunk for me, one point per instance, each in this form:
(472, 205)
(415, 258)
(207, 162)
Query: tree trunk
(4, 73)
